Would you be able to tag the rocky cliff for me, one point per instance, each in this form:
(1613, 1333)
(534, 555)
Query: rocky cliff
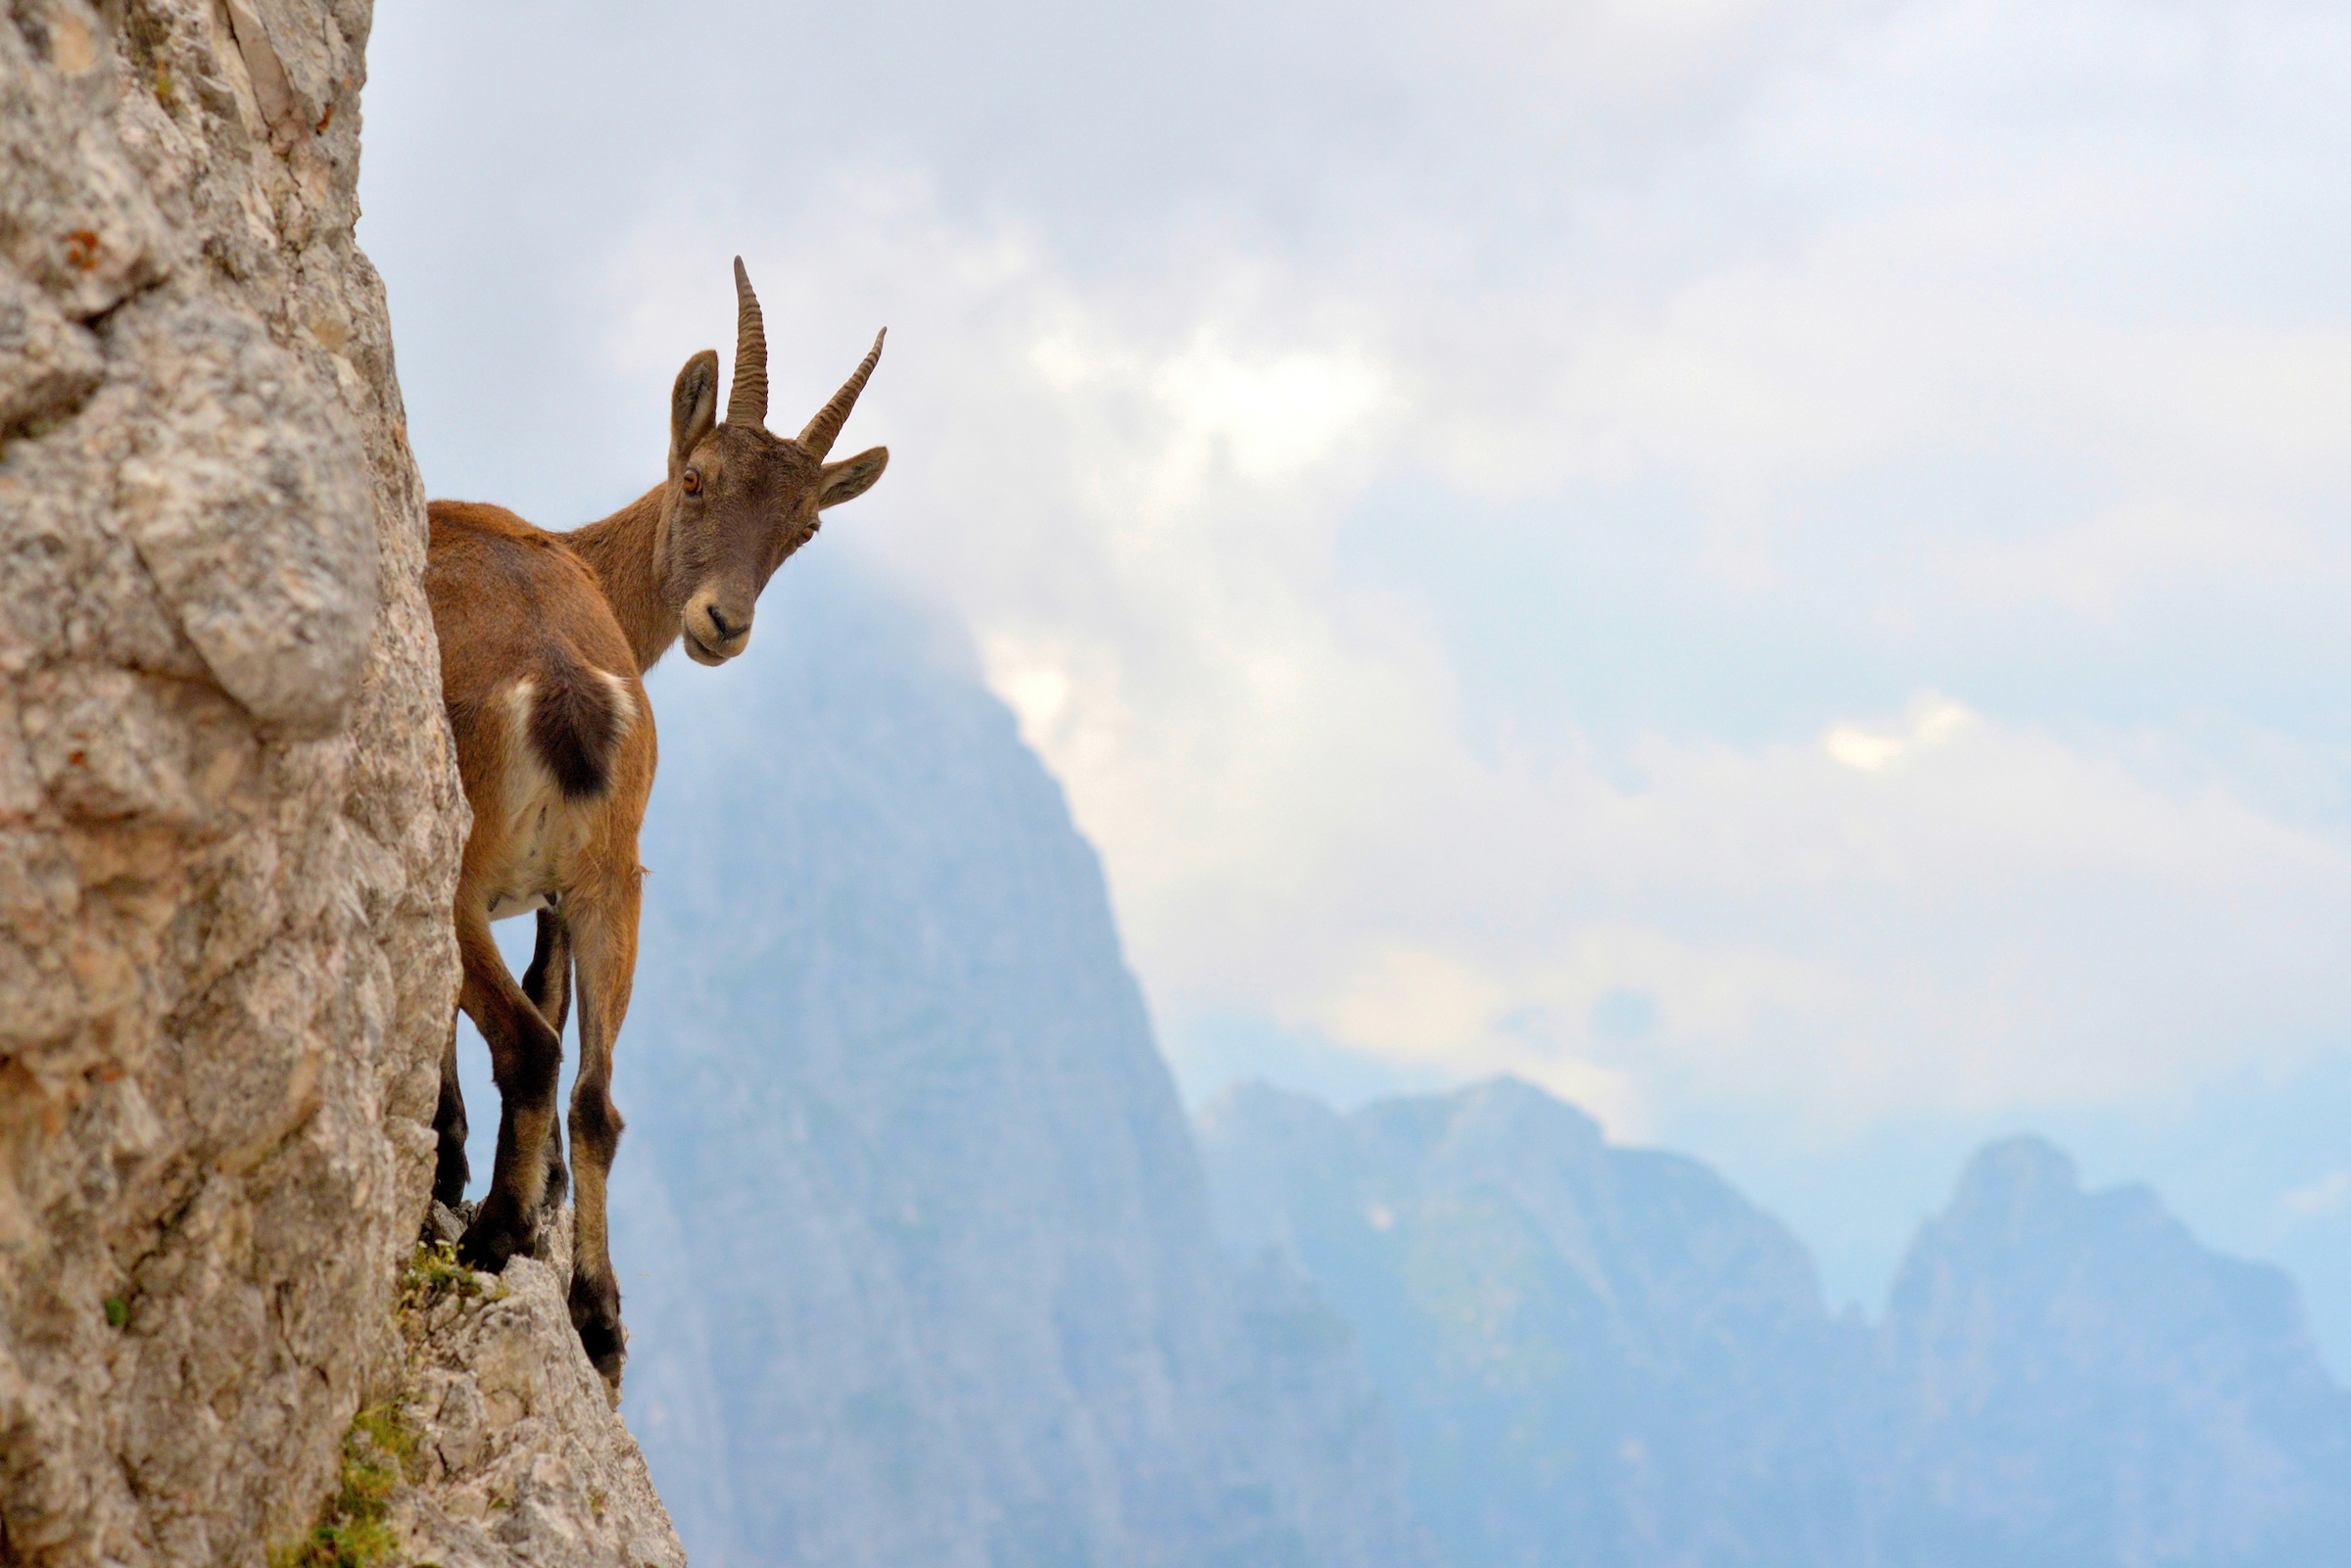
(498, 1448)
(229, 814)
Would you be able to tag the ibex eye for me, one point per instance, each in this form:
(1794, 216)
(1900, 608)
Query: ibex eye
(691, 484)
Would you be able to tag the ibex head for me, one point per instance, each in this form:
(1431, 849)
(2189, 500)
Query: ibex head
(740, 498)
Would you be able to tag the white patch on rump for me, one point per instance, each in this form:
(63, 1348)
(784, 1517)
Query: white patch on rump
(624, 708)
(544, 829)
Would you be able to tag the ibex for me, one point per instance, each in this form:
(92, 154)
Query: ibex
(543, 639)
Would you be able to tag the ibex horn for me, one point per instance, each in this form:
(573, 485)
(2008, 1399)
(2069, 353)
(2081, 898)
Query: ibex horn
(747, 402)
(818, 437)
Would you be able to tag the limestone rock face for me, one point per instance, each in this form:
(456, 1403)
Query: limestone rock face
(518, 1456)
(229, 813)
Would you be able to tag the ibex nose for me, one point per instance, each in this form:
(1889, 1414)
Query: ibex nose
(728, 631)
(714, 634)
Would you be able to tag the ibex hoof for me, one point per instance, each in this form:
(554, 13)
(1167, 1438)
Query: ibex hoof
(596, 1315)
(450, 1173)
(605, 1353)
(608, 1367)
(498, 1231)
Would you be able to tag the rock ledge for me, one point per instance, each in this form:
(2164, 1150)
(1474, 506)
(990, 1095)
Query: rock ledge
(518, 1456)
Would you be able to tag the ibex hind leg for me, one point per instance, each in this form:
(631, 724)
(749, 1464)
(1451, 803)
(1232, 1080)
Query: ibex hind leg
(548, 983)
(526, 1058)
(594, 1297)
(606, 929)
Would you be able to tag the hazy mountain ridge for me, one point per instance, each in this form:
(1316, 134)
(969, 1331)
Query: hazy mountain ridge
(2059, 1377)
(1595, 1351)
(889, 1079)
(2069, 1377)
(922, 1262)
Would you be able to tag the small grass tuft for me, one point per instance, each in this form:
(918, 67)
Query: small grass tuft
(434, 1271)
(386, 1427)
(358, 1531)
(118, 1312)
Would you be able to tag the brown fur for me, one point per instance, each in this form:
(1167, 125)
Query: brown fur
(543, 638)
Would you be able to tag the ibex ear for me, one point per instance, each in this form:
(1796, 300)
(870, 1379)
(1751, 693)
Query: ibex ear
(692, 407)
(852, 477)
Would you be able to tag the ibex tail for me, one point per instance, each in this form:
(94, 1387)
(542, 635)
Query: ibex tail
(577, 715)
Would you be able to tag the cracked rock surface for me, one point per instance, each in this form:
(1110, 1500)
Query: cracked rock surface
(519, 1457)
(230, 813)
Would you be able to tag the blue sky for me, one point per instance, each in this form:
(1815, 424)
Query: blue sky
(1772, 568)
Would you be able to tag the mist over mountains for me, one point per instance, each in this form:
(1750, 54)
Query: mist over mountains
(1592, 1350)
(916, 1247)
(2069, 1377)
(925, 1266)
(1607, 1355)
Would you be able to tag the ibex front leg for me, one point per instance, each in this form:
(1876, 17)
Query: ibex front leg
(603, 921)
(526, 1058)
(449, 1169)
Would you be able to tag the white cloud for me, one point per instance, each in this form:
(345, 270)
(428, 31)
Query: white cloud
(1966, 345)
(2325, 1196)
(1932, 721)
(1933, 909)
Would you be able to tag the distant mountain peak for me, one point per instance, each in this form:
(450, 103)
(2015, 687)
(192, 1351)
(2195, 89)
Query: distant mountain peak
(2018, 1172)
(1513, 1097)
(1599, 1354)
(891, 1082)
(1250, 1099)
